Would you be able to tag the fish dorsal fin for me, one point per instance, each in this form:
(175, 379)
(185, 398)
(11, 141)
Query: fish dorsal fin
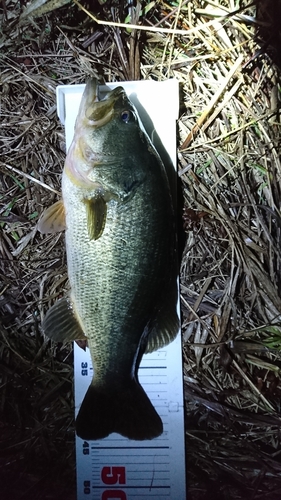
(61, 324)
(53, 219)
(96, 217)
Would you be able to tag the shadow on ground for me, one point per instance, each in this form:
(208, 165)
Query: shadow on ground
(268, 33)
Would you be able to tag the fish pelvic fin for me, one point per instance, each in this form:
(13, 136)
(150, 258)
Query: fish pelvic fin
(127, 411)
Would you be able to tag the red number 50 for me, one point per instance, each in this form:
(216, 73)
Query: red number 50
(116, 494)
(113, 475)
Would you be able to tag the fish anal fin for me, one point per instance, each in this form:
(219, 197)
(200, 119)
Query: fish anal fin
(53, 219)
(61, 324)
(96, 216)
(164, 328)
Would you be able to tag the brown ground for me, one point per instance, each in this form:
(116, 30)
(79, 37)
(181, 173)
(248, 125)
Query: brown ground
(229, 172)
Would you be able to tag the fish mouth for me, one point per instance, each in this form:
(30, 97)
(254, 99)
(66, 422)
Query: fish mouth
(99, 113)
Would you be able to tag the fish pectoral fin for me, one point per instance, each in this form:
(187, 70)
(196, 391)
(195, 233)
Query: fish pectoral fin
(96, 216)
(53, 219)
(60, 323)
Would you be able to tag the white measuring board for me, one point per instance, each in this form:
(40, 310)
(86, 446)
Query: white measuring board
(118, 468)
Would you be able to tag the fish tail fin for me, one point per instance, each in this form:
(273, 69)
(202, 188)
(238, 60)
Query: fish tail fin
(127, 411)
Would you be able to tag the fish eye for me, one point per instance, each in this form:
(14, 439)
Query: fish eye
(126, 116)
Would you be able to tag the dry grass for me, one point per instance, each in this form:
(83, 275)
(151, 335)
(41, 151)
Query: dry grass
(229, 167)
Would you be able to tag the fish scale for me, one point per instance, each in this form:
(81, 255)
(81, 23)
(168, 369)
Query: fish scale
(121, 271)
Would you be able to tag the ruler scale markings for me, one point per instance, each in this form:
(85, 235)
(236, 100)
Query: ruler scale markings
(137, 459)
(139, 463)
(151, 368)
(113, 448)
(117, 487)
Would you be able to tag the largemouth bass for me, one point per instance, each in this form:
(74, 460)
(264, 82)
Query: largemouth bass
(121, 256)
